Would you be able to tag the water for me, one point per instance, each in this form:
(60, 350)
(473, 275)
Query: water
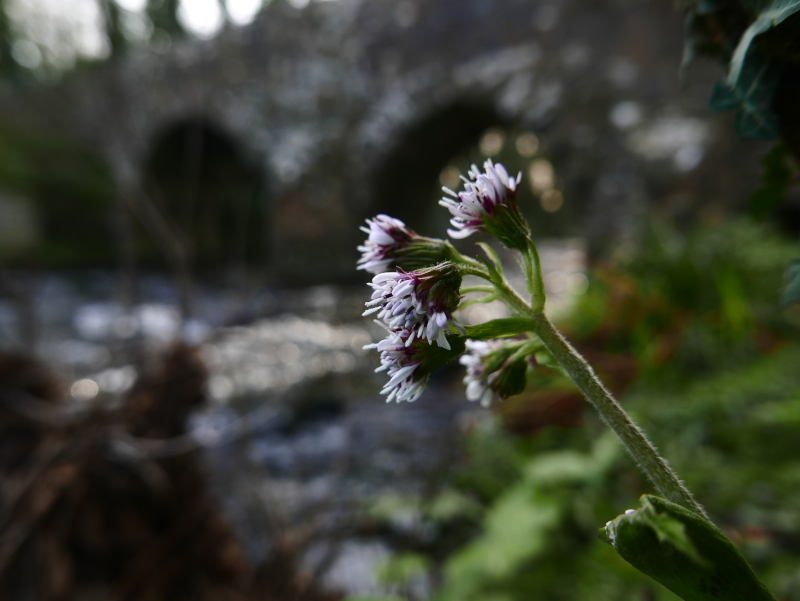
(295, 434)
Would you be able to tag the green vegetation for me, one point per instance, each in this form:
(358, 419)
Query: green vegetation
(70, 189)
(709, 369)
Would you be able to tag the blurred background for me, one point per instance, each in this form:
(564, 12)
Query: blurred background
(186, 408)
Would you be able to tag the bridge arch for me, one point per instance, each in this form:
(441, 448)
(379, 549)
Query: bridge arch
(212, 191)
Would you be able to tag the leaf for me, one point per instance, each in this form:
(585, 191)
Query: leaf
(684, 552)
(723, 97)
(545, 358)
(490, 252)
(500, 328)
(772, 14)
(791, 292)
(752, 92)
(434, 357)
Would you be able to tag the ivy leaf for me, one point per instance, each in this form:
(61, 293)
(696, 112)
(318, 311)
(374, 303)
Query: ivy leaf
(751, 92)
(772, 14)
(684, 552)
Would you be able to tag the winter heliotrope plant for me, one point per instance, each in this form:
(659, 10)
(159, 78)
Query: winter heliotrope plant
(417, 290)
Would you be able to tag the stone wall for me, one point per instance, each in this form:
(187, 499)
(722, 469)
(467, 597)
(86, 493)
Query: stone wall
(322, 100)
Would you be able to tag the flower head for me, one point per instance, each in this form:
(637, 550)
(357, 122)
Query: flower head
(483, 194)
(478, 379)
(387, 236)
(488, 203)
(393, 244)
(401, 363)
(494, 366)
(417, 304)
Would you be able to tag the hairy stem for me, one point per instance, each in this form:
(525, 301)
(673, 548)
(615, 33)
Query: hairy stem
(646, 456)
(468, 289)
(655, 467)
(533, 275)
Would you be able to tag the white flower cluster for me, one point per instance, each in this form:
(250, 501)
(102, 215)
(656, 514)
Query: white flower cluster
(386, 234)
(400, 363)
(483, 193)
(417, 306)
(477, 381)
(410, 306)
(403, 303)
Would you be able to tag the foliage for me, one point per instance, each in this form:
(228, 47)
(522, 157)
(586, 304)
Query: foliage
(754, 68)
(684, 552)
(717, 387)
(72, 189)
(752, 93)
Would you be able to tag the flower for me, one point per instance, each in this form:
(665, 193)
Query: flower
(400, 361)
(417, 304)
(387, 235)
(475, 207)
(477, 379)
(494, 366)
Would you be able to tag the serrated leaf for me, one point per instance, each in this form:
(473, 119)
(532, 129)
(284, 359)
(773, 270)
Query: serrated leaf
(500, 328)
(771, 14)
(684, 552)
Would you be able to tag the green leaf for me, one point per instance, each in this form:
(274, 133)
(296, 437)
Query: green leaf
(772, 14)
(544, 358)
(723, 97)
(490, 252)
(752, 92)
(435, 357)
(684, 552)
(500, 328)
(478, 301)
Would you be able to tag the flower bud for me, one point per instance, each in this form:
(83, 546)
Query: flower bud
(510, 379)
(492, 367)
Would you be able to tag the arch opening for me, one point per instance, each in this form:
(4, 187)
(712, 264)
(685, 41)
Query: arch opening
(211, 194)
(440, 148)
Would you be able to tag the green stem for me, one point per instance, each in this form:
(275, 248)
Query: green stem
(642, 451)
(633, 438)
(534, 277)
(468, 289)
(513, 299)
(457, 257)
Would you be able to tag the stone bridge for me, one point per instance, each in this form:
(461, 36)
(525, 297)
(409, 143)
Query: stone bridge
(326, 115)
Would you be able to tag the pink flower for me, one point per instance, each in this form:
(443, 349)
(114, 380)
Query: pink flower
(387, 236)
(417, 304)
(400, 362)
(483, 194)
(477, 380)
